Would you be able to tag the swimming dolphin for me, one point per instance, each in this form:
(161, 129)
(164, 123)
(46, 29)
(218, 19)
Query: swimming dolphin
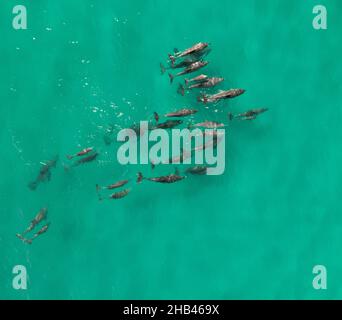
(89, 158)
(81, 153)
(208, 83)
(194, 49)
(118, 195)
(183, 64)
(113, 186)
(198, 79)
(249, 115)
(192, 68)
(44, 173)
(209, 124)
(181, 113)
(28, 241)
(41, 215)
(171, 178)
(227, 94)
(41, 231)
(169, 124)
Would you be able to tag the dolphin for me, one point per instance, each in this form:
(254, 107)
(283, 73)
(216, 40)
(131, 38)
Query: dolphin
(81, 153)
(41, 231)
(211, 82)
(169, 124)
(171, 178)
(227, 94)
(192, 68)
(44, 173)
(208, 83)
(183, 64)
(198, 79)
(113, 186)
(28, 241)
(41, 215)
(117, 195)
(194, 49)
(89, 158)
(249, 115)
(181, 113)
(209, 124)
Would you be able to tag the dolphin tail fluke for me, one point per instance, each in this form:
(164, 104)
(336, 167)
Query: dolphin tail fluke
(202, 98)
(230, 116)
(28, 241)
(162, 68)
(69, 156)
(156, 117)
(140, 177)
(172, 59)
(171, 77)
(186, 81)
(181, 90)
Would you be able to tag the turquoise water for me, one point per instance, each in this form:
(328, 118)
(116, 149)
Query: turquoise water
(255, 232)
